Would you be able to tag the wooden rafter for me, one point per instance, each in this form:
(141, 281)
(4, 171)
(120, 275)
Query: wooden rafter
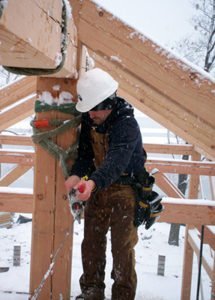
(13, 175)
(18, 113)
(16, 91)
(166, 88)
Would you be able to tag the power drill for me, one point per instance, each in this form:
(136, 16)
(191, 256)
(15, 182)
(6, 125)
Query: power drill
(76, 206)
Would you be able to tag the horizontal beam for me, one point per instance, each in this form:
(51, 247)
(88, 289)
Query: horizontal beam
(21, 200)
(16, 140)
(169, 149)
(164, 166)
(23, 157)
(150, 148)
(33, 39)
(181, 166)
(188, 211)
(16, 200)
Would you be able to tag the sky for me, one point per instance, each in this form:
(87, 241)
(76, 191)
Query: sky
(165, 21)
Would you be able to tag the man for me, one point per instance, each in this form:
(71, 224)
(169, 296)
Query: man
(110, 152)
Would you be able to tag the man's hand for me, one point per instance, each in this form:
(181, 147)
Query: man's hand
(71, 182)
(84, 189)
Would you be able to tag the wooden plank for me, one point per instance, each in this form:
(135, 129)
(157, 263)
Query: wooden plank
(209, 236)
(162, 109)
(207, 261)
(16, 140)
(43, 220)
(187, 267)
(183, 211)
(33, 39)
(17, 90)
(22, 157)
(168, 149)
(181, 166)
(17, 113)
(63, 221)
(103, 33)
(13, 175)
(165, 184)
(16, 200)
(194, 179)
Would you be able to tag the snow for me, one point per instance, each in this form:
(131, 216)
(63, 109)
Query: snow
(152, 243)
(188, 201)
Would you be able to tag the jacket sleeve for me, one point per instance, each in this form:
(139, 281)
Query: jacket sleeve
(124, 136)
(84, 163)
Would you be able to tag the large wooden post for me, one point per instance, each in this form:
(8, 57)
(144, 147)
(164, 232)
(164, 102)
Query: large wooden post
(52, 222)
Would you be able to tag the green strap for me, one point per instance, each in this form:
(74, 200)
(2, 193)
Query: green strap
(44, 140)
(68, 108)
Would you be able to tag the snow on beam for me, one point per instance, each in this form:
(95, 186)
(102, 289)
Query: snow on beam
(16, 200)
(188, 211)
(181, 94)
(31, 36)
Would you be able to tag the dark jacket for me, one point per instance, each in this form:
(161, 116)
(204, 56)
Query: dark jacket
(125, 154)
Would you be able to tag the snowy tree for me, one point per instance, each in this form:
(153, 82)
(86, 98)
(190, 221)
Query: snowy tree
(200, 48)
(6, 77)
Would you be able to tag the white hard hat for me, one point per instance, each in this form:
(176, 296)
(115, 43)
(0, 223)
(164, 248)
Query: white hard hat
(94, 87)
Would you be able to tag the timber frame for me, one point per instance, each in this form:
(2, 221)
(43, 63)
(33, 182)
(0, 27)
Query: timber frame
(168, 90)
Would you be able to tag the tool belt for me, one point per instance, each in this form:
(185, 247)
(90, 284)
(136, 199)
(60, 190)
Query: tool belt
(148, 202)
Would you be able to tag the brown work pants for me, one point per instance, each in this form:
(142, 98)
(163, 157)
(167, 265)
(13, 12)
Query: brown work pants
(111, 208)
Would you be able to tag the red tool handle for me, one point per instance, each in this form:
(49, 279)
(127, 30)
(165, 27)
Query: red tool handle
(81, 188)
(41, 123)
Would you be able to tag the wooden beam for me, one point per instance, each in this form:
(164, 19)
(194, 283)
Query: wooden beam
(168, 149)
(181, 166)
(16, 140)
(33, 39)
(17, 90)
(52, 221)
(194, 179)
(159, 107)
(187, 267)
(13, 175)
(183, 211)
(14, 156)
(16, 200)
(207, 261)
(165, 184)
(17, 113)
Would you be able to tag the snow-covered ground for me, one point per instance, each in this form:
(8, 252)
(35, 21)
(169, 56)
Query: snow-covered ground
(14, 284)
